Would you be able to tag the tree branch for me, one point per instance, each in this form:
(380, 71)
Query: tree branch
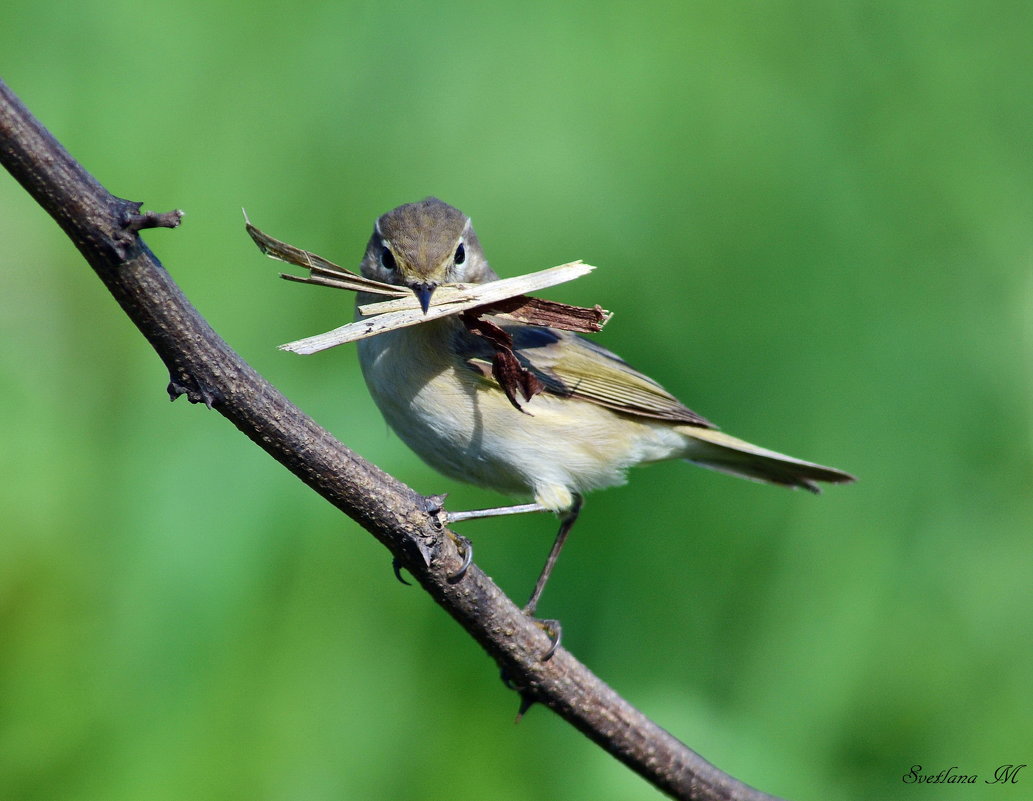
(205, 369)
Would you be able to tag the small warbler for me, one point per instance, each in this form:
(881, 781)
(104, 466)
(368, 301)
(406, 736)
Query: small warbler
(595, 418)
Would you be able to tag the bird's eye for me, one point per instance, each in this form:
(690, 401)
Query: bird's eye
(387, 259)
(460, 256)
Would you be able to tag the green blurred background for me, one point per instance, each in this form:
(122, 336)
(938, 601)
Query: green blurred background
(814, 222)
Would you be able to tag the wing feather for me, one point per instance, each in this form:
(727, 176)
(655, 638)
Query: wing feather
(572, 366)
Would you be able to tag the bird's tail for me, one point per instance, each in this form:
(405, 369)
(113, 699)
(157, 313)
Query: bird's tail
(719, 451)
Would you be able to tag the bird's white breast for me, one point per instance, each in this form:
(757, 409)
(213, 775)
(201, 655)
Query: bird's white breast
(461, 423)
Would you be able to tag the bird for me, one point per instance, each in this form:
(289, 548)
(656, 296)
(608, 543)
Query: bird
(595, 417)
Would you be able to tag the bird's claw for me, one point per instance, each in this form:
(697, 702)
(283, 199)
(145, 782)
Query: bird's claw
(551, 628)
(555, 632)
(466, 548)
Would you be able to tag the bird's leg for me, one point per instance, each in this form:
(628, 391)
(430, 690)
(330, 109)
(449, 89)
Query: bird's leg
(552, 627)
(464, 545)
(566, 523)
(498, 511)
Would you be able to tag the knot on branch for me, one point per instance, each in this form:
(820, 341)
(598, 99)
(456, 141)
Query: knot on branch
(197, 391)
(135, 221)
(130, 222)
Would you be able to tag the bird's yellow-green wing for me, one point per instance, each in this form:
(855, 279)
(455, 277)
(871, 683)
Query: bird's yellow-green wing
(571, 366)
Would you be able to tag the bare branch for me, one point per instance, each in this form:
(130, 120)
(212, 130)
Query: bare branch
(205, 369)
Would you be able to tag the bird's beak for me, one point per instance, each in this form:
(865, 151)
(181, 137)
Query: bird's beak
(423, 293)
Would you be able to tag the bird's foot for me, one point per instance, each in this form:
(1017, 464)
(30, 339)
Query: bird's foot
(551, 628)
(465, 548)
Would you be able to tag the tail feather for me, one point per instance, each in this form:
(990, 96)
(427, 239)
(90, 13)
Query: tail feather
(719, 451)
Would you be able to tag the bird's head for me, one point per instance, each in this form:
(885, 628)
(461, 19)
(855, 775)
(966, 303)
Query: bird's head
(423, 245)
